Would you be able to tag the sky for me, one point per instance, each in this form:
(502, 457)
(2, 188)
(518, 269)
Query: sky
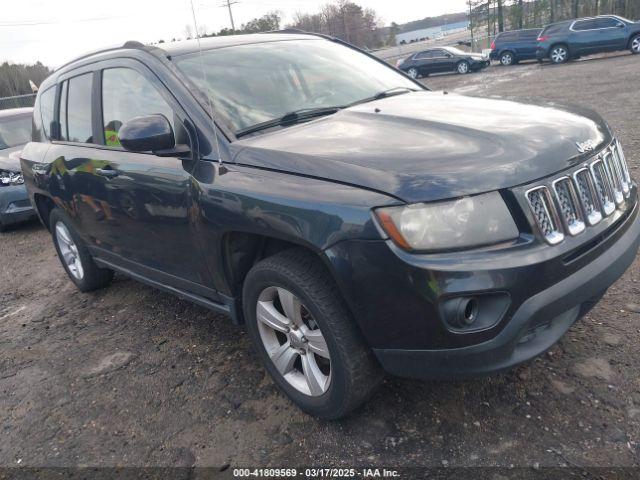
(54, 32)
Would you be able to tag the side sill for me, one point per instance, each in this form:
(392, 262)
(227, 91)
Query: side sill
(229, 306)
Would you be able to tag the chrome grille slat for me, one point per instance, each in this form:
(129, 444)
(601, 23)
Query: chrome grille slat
(570, 209)
(603, 187)
(615, 176)
(588, 196)
(545, 214)
(622, 170)
(623, 162)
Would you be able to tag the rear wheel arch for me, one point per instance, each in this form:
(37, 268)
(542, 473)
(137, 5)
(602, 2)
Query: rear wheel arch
(44, 206)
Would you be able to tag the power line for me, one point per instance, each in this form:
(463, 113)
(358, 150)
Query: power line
(228, 4)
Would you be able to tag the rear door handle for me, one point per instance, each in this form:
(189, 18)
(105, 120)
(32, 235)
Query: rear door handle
(107, 172)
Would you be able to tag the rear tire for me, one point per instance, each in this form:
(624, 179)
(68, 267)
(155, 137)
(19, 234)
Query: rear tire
(290, 302)
(507, 59)
(74, 256)
(635, 45)
(559, 54)
(413, 73)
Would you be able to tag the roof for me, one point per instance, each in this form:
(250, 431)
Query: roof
(16, 112)
(186, 47)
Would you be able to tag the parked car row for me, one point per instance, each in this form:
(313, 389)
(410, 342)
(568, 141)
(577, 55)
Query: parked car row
(558, 42)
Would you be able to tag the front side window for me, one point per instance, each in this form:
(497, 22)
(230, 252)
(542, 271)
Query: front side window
(126, 94)
(607, 23)
(77, 118)
(255, 83)
(14, 131)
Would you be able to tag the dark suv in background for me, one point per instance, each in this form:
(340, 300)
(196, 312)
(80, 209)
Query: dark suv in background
(353, 220)
(512, 47)
(563, 41)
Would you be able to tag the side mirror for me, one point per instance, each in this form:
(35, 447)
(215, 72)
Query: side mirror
(152, 133)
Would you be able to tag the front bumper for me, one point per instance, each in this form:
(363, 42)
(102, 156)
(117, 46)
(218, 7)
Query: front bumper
(396, 300)
(15, 206)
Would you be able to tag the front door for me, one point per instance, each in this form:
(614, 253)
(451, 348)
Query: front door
(136, 209)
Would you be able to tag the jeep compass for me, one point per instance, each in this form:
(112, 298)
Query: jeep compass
(353, 220)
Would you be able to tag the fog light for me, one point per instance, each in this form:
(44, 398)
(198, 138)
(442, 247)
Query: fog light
(462, 312)
(472, 313)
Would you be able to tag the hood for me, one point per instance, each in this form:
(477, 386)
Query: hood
(427, 146)
(10, 158)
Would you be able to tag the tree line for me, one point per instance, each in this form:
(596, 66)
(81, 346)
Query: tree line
(494, 16)
(14, 78)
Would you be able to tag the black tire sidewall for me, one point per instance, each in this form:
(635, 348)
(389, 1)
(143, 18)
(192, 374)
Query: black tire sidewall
(332, 399)
(90, 280)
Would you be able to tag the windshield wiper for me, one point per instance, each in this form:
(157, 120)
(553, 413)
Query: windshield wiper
(384, 94)
(290, 118)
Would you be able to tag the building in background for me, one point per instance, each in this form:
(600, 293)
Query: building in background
(432, 32)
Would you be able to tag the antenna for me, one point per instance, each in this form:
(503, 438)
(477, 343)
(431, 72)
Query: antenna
(206, 82)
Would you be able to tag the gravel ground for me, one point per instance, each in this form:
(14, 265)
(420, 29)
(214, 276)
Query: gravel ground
(132, 376)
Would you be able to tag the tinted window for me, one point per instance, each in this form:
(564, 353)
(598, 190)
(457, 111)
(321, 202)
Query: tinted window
(423, 55)
(440, 54)
(506, 36)
(78, 118)
(529, 35)
(47, 102)
(553, 29)
(14, 131)
(595, 23)
(127, 94)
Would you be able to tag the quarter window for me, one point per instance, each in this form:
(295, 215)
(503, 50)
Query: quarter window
(77, 118)
(424, 55)
(47, 102)
(127, 94)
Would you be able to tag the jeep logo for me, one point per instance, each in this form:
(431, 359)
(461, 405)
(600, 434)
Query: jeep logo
(588, 146)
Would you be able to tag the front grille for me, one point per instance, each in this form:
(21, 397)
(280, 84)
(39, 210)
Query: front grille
(584, 198)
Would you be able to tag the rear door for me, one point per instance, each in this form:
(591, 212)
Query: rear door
(443, 60)
(527, 44)
(424, 62)
(136, 210)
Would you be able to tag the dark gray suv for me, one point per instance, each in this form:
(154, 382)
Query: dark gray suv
(563, 41)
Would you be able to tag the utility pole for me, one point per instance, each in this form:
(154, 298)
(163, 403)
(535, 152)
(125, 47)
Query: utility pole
(228, 4)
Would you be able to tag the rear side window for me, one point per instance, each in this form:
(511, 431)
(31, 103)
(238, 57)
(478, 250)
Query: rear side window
(47, 103)
(77, 118)
(529, 35)
(127, 94)
(553, 29)
(423, 55)
(507, 36)
(595, 23)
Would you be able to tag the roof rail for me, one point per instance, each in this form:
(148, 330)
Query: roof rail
(130, 44)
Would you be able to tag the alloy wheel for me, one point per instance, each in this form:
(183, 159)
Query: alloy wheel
(463, 67)
(507, 59)
(69, 251)
(559, 55)
(413, 73)
(635, 45)
(293, 341)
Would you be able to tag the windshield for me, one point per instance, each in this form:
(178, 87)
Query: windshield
(14, 132)
(251, 84)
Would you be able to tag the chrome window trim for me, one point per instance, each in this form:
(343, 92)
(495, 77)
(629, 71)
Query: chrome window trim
(595, 29)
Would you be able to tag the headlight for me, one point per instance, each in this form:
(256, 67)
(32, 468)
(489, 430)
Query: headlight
(464, 223)
(10, 178)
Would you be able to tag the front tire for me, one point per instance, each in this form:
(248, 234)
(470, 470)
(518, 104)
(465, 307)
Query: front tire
(463, 67)
(635, 45)
(305, 336)
(74, 256)
(559, 54)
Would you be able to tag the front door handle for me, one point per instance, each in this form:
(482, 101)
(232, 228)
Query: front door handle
(107, 172)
